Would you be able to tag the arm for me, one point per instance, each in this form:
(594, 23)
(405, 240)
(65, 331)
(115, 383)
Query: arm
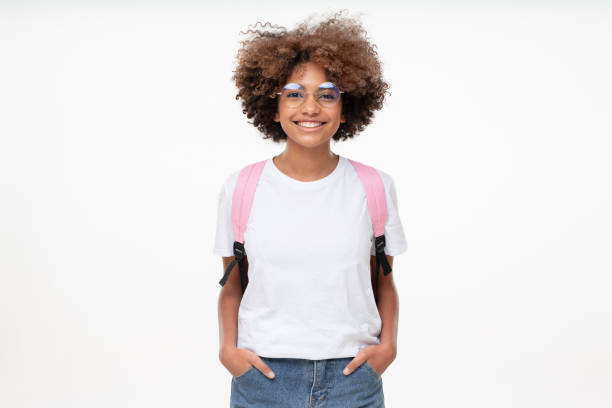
(228, 304)
(387, 301)
(380, 356)
(237, 361)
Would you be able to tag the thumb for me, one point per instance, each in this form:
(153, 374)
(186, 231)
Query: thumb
(263, 367)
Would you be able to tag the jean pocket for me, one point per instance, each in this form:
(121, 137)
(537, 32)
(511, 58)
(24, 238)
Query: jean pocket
(371, 370)
(240, 376)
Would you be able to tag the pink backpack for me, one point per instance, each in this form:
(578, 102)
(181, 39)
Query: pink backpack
(243, 198)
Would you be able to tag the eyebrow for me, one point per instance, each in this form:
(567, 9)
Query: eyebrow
(319, 86)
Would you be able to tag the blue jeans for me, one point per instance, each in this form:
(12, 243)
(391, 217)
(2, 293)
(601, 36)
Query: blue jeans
(301, 383)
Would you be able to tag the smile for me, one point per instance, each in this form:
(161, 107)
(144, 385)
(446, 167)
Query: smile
(310, 126)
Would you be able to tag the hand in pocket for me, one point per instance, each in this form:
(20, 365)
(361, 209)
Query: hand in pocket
(239, 361)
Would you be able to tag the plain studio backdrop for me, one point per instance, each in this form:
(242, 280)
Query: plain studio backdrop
(118, 125)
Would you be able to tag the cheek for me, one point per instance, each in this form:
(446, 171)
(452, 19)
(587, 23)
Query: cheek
(283, 114)
(337, 115)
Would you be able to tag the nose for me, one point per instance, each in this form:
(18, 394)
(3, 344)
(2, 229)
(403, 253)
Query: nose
(310, 105)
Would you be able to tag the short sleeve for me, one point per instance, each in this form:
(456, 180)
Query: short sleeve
(224, 236)
(395, 240)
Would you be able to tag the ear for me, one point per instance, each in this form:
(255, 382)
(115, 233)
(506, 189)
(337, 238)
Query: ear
(276, 118)
(342, 120)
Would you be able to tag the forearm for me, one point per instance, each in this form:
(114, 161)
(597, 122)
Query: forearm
(387, 301)
(228, 306)
(388, 308)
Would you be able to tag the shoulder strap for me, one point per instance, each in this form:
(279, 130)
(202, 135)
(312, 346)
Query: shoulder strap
(242, 200)
(375, 195)
(377, 207)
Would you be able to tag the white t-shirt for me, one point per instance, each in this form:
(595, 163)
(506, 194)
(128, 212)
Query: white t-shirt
(308, 245)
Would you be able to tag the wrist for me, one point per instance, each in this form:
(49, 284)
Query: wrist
(389, 347)
(225, 348)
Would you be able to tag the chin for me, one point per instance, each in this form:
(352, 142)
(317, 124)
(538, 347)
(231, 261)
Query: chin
(309, 140)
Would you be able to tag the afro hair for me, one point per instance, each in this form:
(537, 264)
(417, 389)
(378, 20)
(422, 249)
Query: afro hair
(338, 44)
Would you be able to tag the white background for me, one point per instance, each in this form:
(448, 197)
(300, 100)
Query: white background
(118, 125)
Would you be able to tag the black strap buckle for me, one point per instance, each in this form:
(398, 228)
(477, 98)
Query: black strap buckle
(380, 243)
(239, 250)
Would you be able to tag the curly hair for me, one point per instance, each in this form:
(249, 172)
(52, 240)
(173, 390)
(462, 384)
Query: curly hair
(338, 45)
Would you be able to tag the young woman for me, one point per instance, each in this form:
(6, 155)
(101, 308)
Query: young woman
(308, 330)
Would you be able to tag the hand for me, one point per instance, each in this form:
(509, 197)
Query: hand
(238, 361)
(378, 356)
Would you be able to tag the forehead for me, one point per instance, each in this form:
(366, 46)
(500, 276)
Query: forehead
(308, 74)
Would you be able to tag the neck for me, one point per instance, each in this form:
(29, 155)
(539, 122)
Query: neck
(306, 164)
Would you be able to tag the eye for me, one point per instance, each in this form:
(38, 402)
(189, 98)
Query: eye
(327, 95)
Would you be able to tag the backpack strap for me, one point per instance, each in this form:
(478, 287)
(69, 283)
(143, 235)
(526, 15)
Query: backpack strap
(377, 206)
(242, 200)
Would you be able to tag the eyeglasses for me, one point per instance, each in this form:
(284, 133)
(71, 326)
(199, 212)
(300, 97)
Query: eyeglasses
(293, 95)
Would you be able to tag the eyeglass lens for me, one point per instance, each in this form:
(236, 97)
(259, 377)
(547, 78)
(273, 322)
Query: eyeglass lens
(294, 94)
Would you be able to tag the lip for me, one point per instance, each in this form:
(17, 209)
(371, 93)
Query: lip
(307, 129)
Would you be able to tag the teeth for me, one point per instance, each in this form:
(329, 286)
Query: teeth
(310, 124)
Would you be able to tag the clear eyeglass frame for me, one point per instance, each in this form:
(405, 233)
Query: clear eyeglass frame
(299, 101)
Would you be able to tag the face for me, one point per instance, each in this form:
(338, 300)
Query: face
(309, 77)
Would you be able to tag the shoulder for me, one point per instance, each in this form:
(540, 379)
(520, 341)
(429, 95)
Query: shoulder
(386, 177)
(229, 183)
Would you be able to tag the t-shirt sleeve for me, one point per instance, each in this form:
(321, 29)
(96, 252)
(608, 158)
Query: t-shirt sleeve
(395, 240)
(224, 237)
